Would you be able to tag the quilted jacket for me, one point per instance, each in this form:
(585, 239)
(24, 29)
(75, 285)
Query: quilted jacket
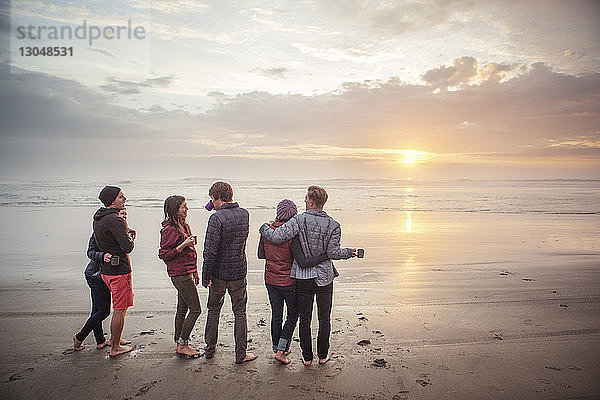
(318, 234)
(225, 244)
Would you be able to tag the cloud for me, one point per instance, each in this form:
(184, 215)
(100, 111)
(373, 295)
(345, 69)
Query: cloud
(119, 86)
(547, 36)
(528, 109)
(273, 73)
(391, 18)
(542, 113)
(171, 7)
(581, 142)
(40, 105)
(461, 73)
(465, 71)
(101, 51)
(495, 72)
(4, 18)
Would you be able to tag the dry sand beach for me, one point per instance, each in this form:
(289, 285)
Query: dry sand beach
(444, 306)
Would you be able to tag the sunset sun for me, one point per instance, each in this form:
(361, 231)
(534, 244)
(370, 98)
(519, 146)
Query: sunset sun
(412, 157)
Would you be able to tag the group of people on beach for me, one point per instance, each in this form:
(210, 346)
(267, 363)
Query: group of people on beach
(298, 250)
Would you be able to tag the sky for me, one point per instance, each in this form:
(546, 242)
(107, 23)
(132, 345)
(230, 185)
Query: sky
(424, 90)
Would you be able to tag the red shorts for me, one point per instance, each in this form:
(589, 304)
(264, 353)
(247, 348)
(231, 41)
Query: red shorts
(120, 289)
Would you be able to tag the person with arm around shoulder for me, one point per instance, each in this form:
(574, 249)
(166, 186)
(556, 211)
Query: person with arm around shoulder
(281, 288)
(318, 233)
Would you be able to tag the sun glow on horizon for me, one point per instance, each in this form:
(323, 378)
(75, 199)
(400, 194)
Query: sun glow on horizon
(411, 157)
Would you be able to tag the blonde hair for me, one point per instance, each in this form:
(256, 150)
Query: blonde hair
(318, 195)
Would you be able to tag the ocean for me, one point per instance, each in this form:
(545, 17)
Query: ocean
(416, 235)
(485, 196)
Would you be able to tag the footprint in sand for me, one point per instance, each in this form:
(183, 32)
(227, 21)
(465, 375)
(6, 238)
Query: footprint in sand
(144, 388)
(425, 379)
(380, 362)
(564, 385)
(15, 377)
(553, 368)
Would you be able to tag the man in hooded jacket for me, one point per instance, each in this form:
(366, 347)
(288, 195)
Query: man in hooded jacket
(112, 236)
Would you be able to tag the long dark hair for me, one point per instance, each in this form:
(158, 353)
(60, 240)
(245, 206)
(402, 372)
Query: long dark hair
(172, 204)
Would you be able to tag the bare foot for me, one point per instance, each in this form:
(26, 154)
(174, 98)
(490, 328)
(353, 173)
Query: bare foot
(307, 363)
(282, 359)
(121, 342)
(103, 345)
(77, 344)
(186, 350)
(323, 360)
(120, 350)
(249, 357)
(280, 356)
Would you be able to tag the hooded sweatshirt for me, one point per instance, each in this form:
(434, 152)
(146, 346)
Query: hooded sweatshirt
(178, 263)
(111, 235)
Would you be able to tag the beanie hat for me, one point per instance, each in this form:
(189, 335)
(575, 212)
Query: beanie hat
(108, 195)
(286, 209)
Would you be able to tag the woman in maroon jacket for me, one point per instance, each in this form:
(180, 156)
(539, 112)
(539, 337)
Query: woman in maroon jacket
(280, 287)
(178, 252)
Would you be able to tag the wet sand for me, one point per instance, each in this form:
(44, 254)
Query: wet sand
(444, 306)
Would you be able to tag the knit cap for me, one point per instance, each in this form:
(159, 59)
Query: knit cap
(108, 195)
(286, 209)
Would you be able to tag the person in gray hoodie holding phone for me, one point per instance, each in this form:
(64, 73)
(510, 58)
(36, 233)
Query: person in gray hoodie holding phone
(318, 234)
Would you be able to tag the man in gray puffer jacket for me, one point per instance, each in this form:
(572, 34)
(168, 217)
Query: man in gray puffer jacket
(319, 234)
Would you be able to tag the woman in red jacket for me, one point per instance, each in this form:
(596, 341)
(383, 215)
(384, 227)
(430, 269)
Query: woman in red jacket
(178, 252)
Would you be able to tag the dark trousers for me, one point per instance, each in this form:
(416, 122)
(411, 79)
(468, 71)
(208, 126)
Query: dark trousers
(100, 310)
(307, 289)
(278, 295)
(187, 299)
(239, 298)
